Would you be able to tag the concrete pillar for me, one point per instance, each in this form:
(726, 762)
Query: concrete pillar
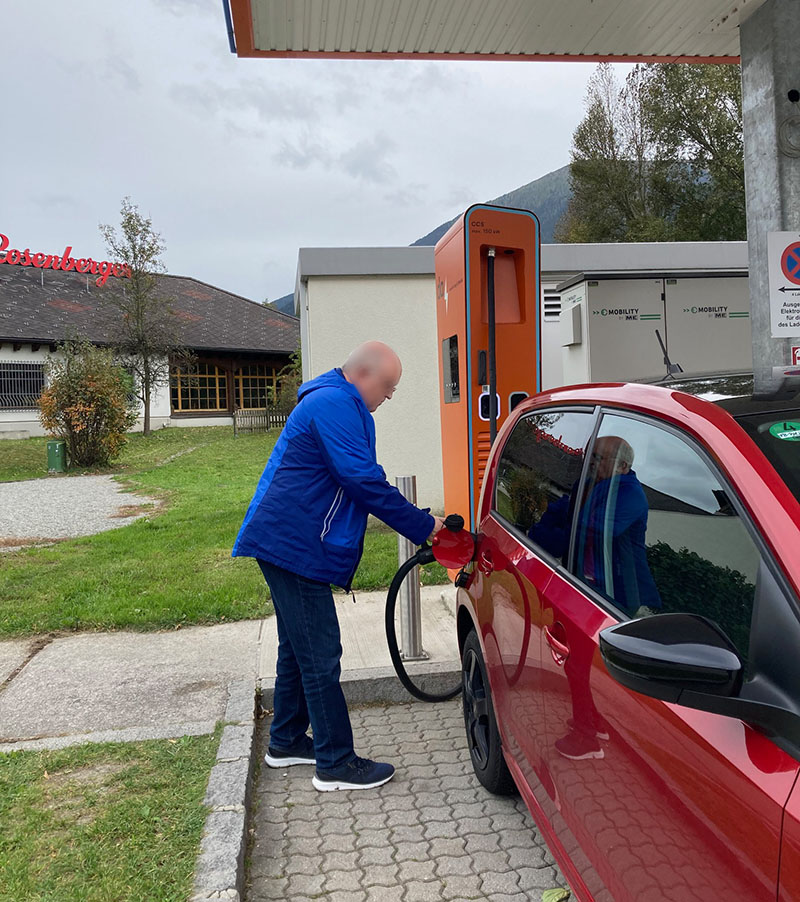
(769, 39)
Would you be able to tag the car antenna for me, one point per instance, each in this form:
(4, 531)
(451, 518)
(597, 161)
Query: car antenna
(672, 368)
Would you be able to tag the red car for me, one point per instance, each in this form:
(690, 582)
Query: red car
(630, 638)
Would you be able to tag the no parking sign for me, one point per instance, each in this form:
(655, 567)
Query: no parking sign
(783, 253)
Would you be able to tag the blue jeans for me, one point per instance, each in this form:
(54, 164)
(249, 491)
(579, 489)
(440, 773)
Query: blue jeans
(307, 676)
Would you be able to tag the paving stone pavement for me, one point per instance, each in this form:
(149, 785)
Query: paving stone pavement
(432, 833)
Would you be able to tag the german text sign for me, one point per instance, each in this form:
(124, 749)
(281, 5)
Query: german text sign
(783, 257)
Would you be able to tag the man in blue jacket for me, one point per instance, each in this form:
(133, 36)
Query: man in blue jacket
(305, 526)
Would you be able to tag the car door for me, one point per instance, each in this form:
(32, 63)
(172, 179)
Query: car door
(660, 802)
(516, 557)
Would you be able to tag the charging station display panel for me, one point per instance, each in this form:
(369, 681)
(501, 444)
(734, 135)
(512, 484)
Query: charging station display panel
(450, 377)
(463, 275)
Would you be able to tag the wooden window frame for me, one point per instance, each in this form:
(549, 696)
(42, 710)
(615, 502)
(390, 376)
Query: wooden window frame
(207, 377)
(264, 378)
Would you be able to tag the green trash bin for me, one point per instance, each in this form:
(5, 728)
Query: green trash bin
(57, 456)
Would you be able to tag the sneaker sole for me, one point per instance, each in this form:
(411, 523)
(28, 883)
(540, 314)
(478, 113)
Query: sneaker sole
(286, 762)
(582, 757)
(333, 785)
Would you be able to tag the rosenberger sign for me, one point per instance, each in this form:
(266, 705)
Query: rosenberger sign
(102, 269)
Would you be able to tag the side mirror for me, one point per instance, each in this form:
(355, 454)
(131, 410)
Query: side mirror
(666, 655)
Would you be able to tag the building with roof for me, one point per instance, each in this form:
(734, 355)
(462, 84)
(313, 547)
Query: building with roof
(240, 345)
(347, 295)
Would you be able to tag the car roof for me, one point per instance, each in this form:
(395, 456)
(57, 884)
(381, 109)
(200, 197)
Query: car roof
(734, 392)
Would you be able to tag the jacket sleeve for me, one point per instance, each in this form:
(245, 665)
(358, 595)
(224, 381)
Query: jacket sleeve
(339, 433)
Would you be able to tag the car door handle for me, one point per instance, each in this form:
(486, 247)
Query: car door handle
(559, 650)
(485, 562)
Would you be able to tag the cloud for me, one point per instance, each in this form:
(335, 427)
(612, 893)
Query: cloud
(57, 201)
(366, 160)
(190, 7)
(407, 196)
(303, 154)
(240, 162)
(122, 74)
(269, 102)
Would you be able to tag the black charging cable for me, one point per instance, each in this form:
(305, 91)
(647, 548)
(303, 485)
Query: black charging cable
(453, 522)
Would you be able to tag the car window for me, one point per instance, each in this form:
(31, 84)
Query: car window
(656, 530)
(539, 467)
(778, 436)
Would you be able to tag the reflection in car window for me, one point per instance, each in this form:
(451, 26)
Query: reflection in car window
(540, 465)
(657, 532)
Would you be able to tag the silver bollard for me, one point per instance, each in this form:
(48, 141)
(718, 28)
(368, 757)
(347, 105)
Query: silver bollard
(408, 596)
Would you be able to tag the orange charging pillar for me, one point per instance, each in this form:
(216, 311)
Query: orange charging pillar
(464, 277)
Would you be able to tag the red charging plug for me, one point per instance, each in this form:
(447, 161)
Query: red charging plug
(453, 547)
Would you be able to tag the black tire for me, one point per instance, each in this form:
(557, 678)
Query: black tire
(483, 737)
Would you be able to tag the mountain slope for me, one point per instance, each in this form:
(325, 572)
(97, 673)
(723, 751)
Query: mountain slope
(547, 197)
(284, 304)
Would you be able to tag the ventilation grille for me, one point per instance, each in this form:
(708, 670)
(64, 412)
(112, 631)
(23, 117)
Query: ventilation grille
(552, 306)
(484, 447)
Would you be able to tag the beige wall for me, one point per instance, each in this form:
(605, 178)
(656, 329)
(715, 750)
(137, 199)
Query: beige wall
(339, 312)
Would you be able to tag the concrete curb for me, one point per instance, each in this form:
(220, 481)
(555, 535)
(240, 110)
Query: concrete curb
(127, 734)
(376, 685)
(219, 871)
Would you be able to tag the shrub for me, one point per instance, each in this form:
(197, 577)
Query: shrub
(688, 583)
(86, 403)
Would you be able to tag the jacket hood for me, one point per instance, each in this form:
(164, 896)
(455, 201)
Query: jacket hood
(332, 379)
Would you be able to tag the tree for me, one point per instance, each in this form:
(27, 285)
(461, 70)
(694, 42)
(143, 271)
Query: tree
(658, 158)
(147, 337)
(290, 378)
(86, 403)
(694, 114)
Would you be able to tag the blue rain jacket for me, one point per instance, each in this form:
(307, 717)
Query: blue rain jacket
(309, 511)
(611, 542)
(611, 529)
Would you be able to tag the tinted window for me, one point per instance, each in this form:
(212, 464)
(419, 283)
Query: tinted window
(778, 436)
(656, 530)
(540, 464)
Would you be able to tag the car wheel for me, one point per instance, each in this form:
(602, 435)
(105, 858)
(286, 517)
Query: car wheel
(483, 737)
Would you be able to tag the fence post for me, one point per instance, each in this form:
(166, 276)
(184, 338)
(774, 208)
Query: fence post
(408, 596)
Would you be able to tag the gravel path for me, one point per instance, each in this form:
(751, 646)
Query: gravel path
(60, 508)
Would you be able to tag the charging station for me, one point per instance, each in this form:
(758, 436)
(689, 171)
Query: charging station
(487, 269)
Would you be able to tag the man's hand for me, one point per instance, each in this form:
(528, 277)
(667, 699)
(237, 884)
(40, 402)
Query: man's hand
(437, 526)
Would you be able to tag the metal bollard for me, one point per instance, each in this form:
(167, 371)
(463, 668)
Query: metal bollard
(408, 596)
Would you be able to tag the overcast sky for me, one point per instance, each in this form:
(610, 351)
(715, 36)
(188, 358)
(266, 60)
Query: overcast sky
(241, 162)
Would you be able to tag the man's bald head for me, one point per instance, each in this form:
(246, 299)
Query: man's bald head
(375, 369)
(612, 455)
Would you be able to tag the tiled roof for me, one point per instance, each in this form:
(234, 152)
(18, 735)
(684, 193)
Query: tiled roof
(42, 305)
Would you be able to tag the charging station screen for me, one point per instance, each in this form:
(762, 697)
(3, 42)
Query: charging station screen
(452, 389)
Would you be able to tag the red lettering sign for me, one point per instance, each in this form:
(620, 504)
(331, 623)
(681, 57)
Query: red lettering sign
(65, 263)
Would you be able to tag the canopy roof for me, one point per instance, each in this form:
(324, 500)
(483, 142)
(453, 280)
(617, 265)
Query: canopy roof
(615, 30)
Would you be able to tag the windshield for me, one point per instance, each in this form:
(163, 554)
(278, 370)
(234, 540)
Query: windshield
(777, 434)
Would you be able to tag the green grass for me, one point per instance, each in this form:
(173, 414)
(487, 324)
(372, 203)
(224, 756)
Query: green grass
(103, 821)
(169, 568)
